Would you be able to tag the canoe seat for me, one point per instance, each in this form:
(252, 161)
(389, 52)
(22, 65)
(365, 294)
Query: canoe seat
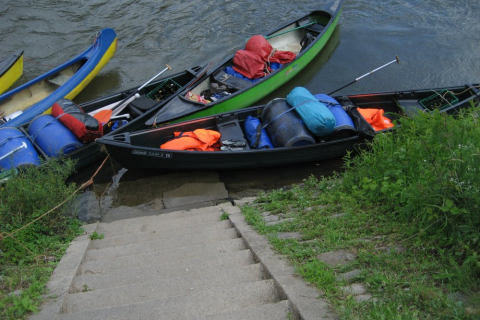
(230, 129)
(59, 79)
(141, 105)
(231, 81)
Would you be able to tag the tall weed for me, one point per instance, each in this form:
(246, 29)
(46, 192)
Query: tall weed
(426, 174)
(30, 255)
(28, 195)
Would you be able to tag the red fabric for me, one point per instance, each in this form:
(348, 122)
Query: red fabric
(198, 140)
(253, 61)
(259, 45)
(264, 49)
(76, 121)
(249, 64)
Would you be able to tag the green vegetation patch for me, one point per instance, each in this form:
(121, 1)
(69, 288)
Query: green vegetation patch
(407, 210)
(30, 255)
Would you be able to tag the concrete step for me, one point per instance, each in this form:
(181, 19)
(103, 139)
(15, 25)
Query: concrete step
(171, 226)
(152, 248)
(169, 215)
(158, 288)
(168, 270)
(271, 311)
(174, 231)
(207, 234)
(156, 223)
(197, 304)
(162, 244)
(209, 251)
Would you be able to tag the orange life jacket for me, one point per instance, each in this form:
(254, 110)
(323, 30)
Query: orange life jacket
(197, 140)
(375, 118)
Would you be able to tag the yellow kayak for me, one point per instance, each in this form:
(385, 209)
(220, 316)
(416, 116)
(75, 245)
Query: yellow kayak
(11, 68)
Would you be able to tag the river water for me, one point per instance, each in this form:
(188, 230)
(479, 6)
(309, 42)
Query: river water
(435, 40)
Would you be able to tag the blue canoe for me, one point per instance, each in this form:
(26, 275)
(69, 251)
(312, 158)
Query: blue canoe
(11, 69)
(20, 105)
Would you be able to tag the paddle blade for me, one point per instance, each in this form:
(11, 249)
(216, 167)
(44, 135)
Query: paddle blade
(103, 116)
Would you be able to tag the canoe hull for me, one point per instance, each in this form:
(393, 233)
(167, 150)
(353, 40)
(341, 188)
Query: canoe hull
(91, 151)
(11, 68)
(141, 150)
(181, 109)
(76, 75)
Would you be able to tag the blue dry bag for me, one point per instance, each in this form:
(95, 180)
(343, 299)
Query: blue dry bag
(318, 119)
(251, 125)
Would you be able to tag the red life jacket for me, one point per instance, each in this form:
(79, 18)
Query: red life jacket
(197, 140)
(375, 118)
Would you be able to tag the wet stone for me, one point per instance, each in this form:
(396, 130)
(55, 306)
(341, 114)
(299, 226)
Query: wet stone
(355, 289)
(89, 208)
(290, 235)
(347, 276)
(335, 258)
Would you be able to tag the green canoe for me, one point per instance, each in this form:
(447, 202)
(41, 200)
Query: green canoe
(305, 37)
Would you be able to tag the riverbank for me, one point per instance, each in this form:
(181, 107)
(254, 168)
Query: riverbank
(400, 241)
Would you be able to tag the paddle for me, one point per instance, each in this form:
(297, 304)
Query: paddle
(366, 74)
(105, 115)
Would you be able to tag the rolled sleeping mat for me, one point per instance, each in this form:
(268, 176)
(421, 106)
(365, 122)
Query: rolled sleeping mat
(318, 119)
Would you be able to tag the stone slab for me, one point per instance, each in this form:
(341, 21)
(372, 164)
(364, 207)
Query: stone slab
(215, 280)
(191, 193)
(202, 303)
(336, 258)
(164, 270)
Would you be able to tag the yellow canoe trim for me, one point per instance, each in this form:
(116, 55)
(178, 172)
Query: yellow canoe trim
(11, 75)
(106, 57)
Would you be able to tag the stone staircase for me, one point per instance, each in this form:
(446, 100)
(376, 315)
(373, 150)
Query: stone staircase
(178, 265)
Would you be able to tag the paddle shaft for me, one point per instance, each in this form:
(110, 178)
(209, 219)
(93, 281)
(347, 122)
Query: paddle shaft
(366, 74)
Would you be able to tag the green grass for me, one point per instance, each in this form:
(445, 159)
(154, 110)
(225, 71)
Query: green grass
(415, 192)
(29, 256)
(97, 236)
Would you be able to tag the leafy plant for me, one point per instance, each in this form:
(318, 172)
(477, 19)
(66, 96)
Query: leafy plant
(408, 208)
(224, 216)
(96, 236)
(34, 237)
